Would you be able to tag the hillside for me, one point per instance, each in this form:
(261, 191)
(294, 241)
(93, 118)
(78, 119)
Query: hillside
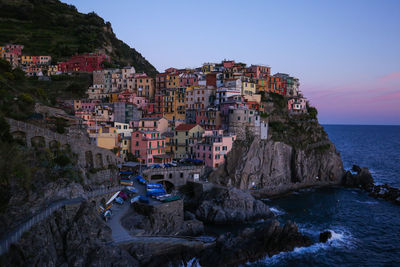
(297, 154)
(49, 27)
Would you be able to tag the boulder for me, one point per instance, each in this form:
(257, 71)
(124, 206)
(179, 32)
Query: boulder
(254, 243)
(226, 206)
(324, 236)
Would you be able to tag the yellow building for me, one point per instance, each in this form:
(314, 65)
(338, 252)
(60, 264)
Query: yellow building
(26, 60)
(174, 104)
(208, 67)
(248, 88)
(145, 86)
(52, 70)
(113, 97)
(169, 142)
(173, 80)
(262, 85)
(125, 147)
(185, 138)
(107, 137)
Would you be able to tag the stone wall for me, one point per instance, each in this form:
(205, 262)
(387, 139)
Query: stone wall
(178, 176)
(89, 156)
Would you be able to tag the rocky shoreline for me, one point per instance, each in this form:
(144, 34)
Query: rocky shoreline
(363, 179)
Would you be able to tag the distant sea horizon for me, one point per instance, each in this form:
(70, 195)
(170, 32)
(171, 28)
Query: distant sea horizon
(348, 124)
(363, 228)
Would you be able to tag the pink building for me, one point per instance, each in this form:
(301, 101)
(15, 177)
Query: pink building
(258, 71)
(140, 101)
(149, 147)
(14, 48)
(214, 147)
(297, 105)
(228, 64)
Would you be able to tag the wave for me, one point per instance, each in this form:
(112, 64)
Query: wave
(277, 211)
(193, 262)
(367, 202)
(339, 239)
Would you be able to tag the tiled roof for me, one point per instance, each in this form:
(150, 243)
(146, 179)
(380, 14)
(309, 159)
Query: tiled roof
(185, 127)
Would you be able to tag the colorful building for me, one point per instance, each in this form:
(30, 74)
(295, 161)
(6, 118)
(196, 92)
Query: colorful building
(174, 104)
(214, 147)
(297, 105)
(149, 147)
(84, 63)
(186, 135)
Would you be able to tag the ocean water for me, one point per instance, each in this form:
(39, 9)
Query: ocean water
(365, 231)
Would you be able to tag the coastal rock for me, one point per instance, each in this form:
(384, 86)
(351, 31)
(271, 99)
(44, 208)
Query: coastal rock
(74, 236)
(363, 179)
(224, 206)
(271, 168)
(324, 236)
(252, 244)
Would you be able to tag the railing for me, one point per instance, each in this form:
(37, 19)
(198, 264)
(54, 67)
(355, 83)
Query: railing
(15, 235)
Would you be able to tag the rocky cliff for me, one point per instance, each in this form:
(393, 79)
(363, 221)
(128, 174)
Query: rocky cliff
(73, 236)
(297, 154)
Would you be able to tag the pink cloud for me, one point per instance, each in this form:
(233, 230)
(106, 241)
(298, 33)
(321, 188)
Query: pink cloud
(391, 76)
(376, 101)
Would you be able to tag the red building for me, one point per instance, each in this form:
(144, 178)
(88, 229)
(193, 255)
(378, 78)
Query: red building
(84, 63)
(14, 48)
(154, 109)
(211, 79)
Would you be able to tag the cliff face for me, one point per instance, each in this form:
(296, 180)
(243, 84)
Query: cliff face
(73, 236)
(275, 167)
(297, 154)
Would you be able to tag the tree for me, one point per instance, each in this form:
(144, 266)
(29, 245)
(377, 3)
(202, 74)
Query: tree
(131, 157)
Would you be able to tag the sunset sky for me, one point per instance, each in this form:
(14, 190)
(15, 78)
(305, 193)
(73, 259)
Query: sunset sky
(345, 53)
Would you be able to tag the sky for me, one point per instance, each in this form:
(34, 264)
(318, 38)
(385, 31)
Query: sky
(346, 53)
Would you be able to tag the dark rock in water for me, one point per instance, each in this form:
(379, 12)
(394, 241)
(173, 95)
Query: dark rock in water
(364, 179)
(252, 244)
(224, 206)
(324, 236)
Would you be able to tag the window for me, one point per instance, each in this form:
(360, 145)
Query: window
(238, 119)
(187, 133)
(181, 175)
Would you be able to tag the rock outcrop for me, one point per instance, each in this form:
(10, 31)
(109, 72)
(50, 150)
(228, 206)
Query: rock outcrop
(254, 243)
(74, 236)
(226, 206)
(363, 179)
(272, 168)
(165, 219)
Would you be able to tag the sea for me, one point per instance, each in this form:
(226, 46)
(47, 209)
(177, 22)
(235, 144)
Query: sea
(365, 231)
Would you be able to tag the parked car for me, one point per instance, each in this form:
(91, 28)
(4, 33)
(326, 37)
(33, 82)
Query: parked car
(174, 163)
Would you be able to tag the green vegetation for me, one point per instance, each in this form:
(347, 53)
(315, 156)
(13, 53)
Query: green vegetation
(132, 157)
(31, 168)
(49, 27)
(18, 94)
(300, 131)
